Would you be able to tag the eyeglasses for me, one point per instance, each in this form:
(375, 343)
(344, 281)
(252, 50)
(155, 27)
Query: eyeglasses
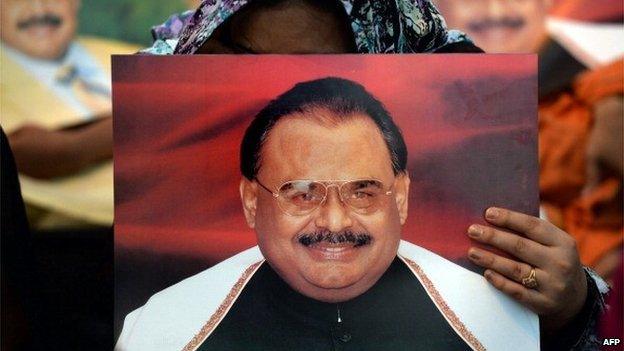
(302, 197)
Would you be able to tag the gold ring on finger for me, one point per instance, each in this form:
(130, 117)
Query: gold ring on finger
(530, 281)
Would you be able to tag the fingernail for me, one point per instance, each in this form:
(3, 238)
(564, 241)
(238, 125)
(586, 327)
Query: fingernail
(474, 231)
(474, 254)
(488, 275)
(492, 213)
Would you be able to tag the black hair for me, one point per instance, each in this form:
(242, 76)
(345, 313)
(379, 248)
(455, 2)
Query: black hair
(464, 47)
(340, 96)
(331, 8)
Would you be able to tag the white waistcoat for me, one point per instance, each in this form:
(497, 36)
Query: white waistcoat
(184, 315)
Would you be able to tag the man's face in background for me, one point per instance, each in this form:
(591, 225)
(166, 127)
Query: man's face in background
(302, 148)
(499, 26)
(192, 4)
(42, 29)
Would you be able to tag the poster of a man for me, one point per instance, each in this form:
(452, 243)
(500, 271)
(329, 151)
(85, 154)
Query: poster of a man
(325, 187)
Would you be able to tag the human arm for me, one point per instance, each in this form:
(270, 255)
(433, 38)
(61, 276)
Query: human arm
(565, 299)
(43, 153)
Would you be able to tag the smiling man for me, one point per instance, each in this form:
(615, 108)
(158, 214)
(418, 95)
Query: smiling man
(56, 111)
(325, 188)
(500, 26)
(305, 175)
(43, 29)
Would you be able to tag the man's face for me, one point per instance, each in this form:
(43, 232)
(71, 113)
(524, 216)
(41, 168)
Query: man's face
(192, 4)
(499, 26)
(301, 148)
(39, 28)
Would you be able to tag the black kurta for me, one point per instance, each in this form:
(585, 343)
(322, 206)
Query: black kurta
(395, 314)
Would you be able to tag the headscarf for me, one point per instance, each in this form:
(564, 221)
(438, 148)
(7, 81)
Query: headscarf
(379, 26)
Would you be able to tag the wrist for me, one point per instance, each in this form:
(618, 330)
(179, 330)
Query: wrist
(93, 143)
(555, 322)
(76, 146)
(575, 331)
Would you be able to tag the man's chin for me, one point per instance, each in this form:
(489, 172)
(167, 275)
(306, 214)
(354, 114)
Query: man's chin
(44, 45)
(336, 277)
(499, 41)
(42, 32)
(336, 285)
(333, 275)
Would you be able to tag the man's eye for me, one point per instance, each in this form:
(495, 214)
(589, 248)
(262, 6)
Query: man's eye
(362, 195)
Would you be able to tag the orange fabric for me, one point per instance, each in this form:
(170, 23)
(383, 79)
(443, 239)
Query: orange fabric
(595, 218)
(592, 86)
(583, 10)
(596, 221)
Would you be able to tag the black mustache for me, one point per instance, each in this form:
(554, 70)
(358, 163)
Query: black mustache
(507, 22)
(347, 236)
(47, 19)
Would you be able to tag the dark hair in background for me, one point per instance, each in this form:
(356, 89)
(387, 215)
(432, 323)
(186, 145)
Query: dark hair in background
(462, 47)
(329, 7)
(340, 96)
(332, 8)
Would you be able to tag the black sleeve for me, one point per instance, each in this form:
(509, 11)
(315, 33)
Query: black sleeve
(581, 333)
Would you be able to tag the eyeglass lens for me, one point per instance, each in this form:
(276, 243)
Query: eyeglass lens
(304, 196)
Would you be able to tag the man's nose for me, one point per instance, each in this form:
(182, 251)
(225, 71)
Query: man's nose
(333, 215)
(38, 7)
(496, 8)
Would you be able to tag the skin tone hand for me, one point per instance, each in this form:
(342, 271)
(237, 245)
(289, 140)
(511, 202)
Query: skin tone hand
(562, 285)
(43, 153)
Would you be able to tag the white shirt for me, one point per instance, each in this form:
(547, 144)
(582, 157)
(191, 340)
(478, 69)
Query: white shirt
(46, 72)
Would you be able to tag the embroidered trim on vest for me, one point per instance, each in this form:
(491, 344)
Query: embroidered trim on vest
(225, 306)
(448, 313)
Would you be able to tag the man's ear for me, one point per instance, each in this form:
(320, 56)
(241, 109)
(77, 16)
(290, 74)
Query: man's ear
(401, 195)
(249, 196)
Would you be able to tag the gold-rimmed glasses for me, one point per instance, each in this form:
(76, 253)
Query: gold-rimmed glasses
(303, 196)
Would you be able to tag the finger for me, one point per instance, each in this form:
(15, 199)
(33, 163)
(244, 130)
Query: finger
(533, 227)
(516, 271)
(525, 249)
(528, 297)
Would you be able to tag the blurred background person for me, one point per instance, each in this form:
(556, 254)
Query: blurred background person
(57, 113)
(60, 131)
(193, 4)
(580, 107)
